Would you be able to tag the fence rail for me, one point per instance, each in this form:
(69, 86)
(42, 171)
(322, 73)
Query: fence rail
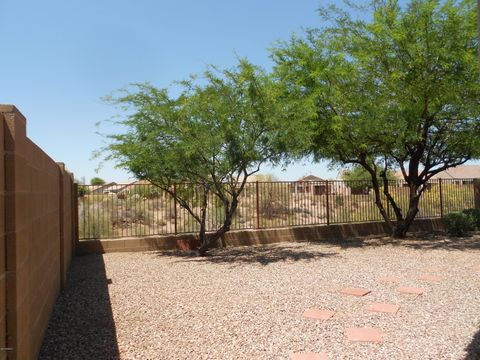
(112, 211)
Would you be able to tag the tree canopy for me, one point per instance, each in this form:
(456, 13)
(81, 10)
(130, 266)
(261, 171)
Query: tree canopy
(97, 181)
(214, 135)
(397, 91)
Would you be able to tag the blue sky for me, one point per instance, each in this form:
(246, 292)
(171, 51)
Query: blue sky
(60, 57)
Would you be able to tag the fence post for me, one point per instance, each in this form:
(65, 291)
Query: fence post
(257, 205)
(476, 193)
(327, 192)
(175, 208)
(61, 222)
(441, 197)
(75, 215)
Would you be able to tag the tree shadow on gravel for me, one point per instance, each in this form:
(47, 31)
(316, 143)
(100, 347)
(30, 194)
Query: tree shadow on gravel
(82, 326)
(473, 349)
(420, 241)
(263, 255)
(272, 253)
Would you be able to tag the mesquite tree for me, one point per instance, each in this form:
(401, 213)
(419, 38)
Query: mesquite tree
(397, 91)
(358, 179)
(213, 136)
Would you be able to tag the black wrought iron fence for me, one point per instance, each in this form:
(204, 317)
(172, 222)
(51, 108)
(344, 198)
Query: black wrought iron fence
(111, 211)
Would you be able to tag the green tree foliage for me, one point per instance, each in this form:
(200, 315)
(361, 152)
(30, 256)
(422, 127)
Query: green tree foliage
(214, 135)
(82, 190)
(397, 91)
(97, 181)
(357, 178)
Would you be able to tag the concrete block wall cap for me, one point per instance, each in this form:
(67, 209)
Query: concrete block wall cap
(6, 108)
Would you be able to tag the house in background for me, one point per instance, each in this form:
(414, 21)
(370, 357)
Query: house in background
(463, 174)
(101, 189)
(310, 184)
(108, 188)
(128, 188)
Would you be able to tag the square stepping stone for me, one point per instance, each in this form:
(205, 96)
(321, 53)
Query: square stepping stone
(309, 356)
(385, 308)
(430, 278)
(318, 314)
(390, 279)
(410, 290)
(476, 268)
(363, 334)
(355, 291)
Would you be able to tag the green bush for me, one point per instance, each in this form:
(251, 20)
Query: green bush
(459, 223)
(475, 214)
(82, 190)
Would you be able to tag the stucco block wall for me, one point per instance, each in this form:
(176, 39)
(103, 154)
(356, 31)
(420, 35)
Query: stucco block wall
(36, 198)
(3, 270)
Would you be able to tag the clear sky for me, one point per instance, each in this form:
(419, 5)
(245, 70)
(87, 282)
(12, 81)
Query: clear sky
(59, 57)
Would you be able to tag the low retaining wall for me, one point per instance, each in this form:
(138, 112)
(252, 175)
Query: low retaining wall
(338, 232)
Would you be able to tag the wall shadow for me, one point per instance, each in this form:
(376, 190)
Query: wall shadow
(258, 254)
(82, 326)
(473, 349)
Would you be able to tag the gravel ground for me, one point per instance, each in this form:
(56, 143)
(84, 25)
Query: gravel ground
(247, 303)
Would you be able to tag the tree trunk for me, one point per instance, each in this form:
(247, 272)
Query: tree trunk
(207, 240)
(403, 225)
(378, 198)
(203, 240)
(203, 220)
(400, 230)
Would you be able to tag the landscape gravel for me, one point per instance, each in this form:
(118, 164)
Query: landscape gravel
(248, 302)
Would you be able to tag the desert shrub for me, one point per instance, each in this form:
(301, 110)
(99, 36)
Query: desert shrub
(475, 214)
(82, 190)
(131, 212)
(339, 201)
(216, 213)
(273, 199)
(459, 223)
(145, 191)
(157, 204)
(95, 224)
(161, 222)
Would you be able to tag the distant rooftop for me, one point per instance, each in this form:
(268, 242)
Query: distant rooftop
(310, 178)
(459, 172)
